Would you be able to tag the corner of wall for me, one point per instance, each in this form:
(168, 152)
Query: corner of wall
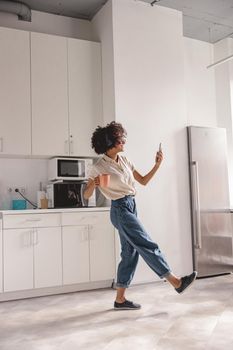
(102, 27)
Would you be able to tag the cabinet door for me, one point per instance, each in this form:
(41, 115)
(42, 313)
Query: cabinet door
(49, 95)
(47, 257)
(102, 248)
(18, 259)
(75, 254)
(15, 110)
(85, 94)
(1, 257)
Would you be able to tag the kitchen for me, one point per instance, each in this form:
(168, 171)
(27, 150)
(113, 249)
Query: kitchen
(149, 94)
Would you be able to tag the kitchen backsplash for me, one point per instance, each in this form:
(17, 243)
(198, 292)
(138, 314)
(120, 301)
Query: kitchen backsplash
(21, 173)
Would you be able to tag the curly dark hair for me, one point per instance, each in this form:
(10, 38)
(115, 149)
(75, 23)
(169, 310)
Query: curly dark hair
(105, 138)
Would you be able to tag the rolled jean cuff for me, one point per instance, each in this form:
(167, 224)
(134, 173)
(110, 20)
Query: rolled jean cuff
(121, 285)
(166, 274)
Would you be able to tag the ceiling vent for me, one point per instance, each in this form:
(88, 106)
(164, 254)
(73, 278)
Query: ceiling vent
(18, 8)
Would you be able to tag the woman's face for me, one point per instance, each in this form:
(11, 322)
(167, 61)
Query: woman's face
(121, 140)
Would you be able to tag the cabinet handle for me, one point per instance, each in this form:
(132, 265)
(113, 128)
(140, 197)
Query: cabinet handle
(1, 144)
(91, 233)
(36, 235)
(32, 237)
(33, 220)
(66, 147)
(71, 146)
(85, 234)
(27, 239)
(89, 217)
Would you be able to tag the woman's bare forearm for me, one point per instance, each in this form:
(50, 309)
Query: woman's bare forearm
(146, 178)
(143, 180)
(89, 189)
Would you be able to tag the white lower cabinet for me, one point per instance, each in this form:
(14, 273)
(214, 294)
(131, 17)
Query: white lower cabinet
(75, 255)
(18, 259)
(32, 251)
(48, 257)
(32, 258)
(102, 249)
(88, 247)
(58, 250)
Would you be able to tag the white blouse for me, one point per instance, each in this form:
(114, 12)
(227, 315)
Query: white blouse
(121, 176)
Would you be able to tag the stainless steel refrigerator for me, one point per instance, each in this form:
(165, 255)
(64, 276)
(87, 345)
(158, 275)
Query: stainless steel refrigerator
(210, 206)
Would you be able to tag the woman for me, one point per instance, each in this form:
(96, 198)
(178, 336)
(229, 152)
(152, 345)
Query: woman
(109, 141)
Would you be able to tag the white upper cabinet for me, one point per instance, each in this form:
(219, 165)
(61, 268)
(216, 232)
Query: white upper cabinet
(85, 94)
(49, 95)
(15, 108)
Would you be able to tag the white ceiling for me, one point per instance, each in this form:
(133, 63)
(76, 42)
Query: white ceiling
(206, 20)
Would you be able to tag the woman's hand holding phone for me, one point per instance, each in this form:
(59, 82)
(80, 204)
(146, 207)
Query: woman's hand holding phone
(159, 155)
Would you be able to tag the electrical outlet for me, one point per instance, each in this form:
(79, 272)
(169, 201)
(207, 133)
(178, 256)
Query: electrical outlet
(22, 190)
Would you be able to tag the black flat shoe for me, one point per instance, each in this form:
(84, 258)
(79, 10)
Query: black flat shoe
(186, 282)
(126, 305)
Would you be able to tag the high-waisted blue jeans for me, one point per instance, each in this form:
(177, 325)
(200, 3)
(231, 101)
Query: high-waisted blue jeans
(135, 241)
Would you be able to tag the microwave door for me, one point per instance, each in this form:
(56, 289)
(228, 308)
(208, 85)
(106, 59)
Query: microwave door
(81, 168)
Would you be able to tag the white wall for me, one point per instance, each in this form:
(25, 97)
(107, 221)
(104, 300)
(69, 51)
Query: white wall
(224, 97)
(161, 85)
(51, 24)
(150, 102)
(200, 83)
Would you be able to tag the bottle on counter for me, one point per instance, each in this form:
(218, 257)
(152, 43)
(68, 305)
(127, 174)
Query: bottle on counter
(42, 200)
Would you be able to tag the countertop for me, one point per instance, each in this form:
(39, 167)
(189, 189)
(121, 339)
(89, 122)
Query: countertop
(56, 210)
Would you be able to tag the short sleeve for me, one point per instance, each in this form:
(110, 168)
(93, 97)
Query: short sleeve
(129, 163)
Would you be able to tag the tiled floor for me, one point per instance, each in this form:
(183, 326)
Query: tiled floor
(201, 318)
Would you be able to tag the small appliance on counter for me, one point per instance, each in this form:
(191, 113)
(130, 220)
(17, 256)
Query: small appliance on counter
(65, 169)
(19, 204)
(69, 194)
(42, 200)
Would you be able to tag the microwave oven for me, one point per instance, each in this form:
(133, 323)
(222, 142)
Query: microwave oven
(69, 169)
(68, 194)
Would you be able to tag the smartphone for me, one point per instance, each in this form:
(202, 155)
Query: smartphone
(160, 147)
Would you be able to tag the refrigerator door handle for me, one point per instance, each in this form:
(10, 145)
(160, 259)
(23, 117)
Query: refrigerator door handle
(196, 206)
